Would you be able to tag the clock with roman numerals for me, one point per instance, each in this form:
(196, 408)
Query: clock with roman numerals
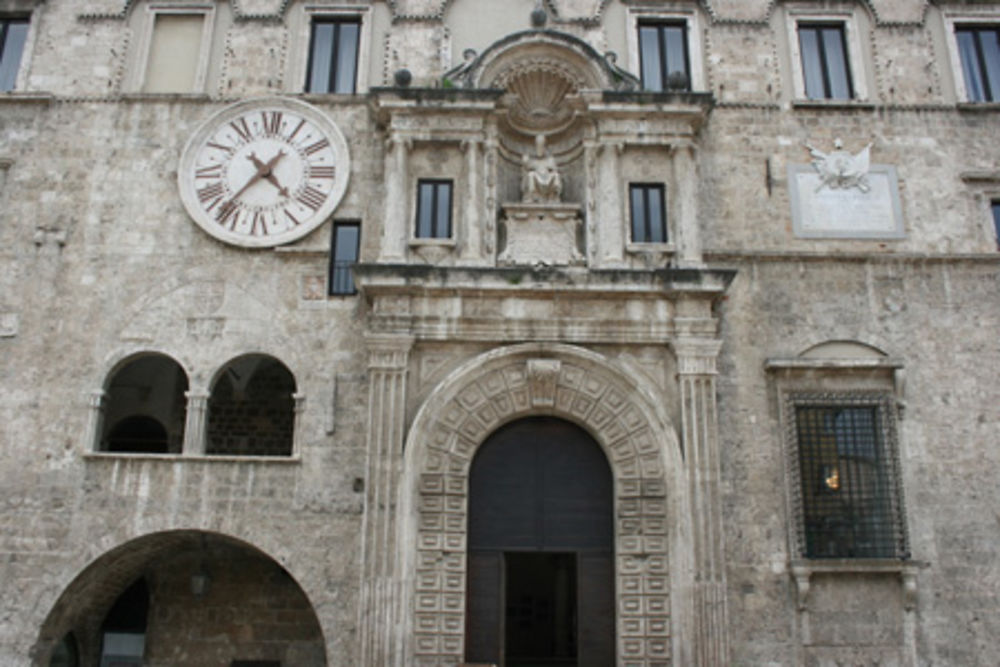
(264, 172)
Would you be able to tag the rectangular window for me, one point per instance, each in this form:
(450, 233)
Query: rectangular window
(13, 33)
(663, 56)
(433, 209)
(995, 208)
(847, 471)
(825, 65)
(333, 55)
(174, 53)
(979, 52)
(649, 217)
(345, 242)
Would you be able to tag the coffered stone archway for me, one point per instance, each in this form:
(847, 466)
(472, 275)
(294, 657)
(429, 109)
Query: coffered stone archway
(649, 500)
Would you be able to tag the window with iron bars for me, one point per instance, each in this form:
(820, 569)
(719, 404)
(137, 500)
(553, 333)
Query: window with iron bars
(848, 476)
(344, 244)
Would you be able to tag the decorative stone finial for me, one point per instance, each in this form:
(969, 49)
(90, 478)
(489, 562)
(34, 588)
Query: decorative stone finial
(539, 16)
(402, 77)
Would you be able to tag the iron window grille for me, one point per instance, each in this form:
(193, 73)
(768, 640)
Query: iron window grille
(345, 242)
(979, 51)
(847, 487)
(13, 34)
(333, 55)
(648, 213)
(433, 209)
(825, 66)
(663, 56)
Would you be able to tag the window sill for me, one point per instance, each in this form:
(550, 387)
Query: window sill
(647, 248)
(24, 97)
(906, 570)
(838, 105)
(165, 97)
(432, 243)
(191, 458)
(979, 107)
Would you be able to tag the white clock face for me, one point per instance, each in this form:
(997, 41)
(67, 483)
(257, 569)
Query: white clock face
(264, 172)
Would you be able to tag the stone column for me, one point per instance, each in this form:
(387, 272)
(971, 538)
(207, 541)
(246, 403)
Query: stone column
(472, 243)
(394, 218)
(696, 367)
(381, 620)
(300, 406)
(686, 207)
(95, 420)
(612, 220)
(194, 423)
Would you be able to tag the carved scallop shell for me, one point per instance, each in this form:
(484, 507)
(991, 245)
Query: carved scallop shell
(538, 95)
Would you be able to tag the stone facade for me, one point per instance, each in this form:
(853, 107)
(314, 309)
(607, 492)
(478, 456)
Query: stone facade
(316, 511)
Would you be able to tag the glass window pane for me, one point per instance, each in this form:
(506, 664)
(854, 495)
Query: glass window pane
(836, 64)
(13, 46)
(425, 203)
(442, 228)
(970, 65)
(990, 41)
(347, 55)
(812, 68)
(657, 228)
(649, 53)
(638, 215)
(173, 53)
(345, 254)
(996, 220)
(676, 53)
(320, 58)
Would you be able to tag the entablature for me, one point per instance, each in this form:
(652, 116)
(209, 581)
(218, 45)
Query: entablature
(535, 303)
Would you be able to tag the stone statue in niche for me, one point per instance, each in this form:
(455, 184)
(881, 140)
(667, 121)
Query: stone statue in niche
(540, 179)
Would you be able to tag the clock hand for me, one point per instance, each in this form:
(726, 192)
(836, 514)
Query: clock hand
(262, 169)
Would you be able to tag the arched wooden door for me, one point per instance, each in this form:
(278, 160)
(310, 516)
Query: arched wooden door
(541, 548)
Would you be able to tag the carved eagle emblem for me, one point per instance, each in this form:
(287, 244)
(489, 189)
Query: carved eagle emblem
(839, 169)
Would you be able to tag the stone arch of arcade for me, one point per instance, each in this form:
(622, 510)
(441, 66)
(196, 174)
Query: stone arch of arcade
(210, 595)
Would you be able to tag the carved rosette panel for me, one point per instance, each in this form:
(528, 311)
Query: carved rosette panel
(444, 441)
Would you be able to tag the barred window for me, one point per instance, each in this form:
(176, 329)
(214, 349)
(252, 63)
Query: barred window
(343, 255)
(851, 503)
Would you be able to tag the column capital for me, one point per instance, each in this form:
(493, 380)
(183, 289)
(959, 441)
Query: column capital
(697, 356)
(388, 351)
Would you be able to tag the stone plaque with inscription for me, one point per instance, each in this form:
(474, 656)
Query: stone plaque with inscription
(821, 211)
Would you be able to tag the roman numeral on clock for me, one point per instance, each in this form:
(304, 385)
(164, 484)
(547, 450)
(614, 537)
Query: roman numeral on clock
(210, 192)
(211, 171)
(272, 122)
(318, 146)
(227, 211)
(241, 128)
(258, 219)
(311, 197)
(321, 171)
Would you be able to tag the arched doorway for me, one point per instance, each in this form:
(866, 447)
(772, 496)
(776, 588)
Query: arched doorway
(540, 587)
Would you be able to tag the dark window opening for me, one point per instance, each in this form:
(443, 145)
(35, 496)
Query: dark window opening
(139, 434)
(979, 51)
(663, 56)
(13, 34)
(648, 213)
(825, 65)
(251, 411)
(848, 500)
(123, 632)
(433, 209)
(333, 55)
(145, 407)
(345, 242)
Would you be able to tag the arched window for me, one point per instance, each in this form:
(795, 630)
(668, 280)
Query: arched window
(251, 411)
(145, 407)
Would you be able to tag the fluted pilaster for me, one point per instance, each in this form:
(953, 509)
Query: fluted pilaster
(394, 219)
(696, 365)
(381, 617)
